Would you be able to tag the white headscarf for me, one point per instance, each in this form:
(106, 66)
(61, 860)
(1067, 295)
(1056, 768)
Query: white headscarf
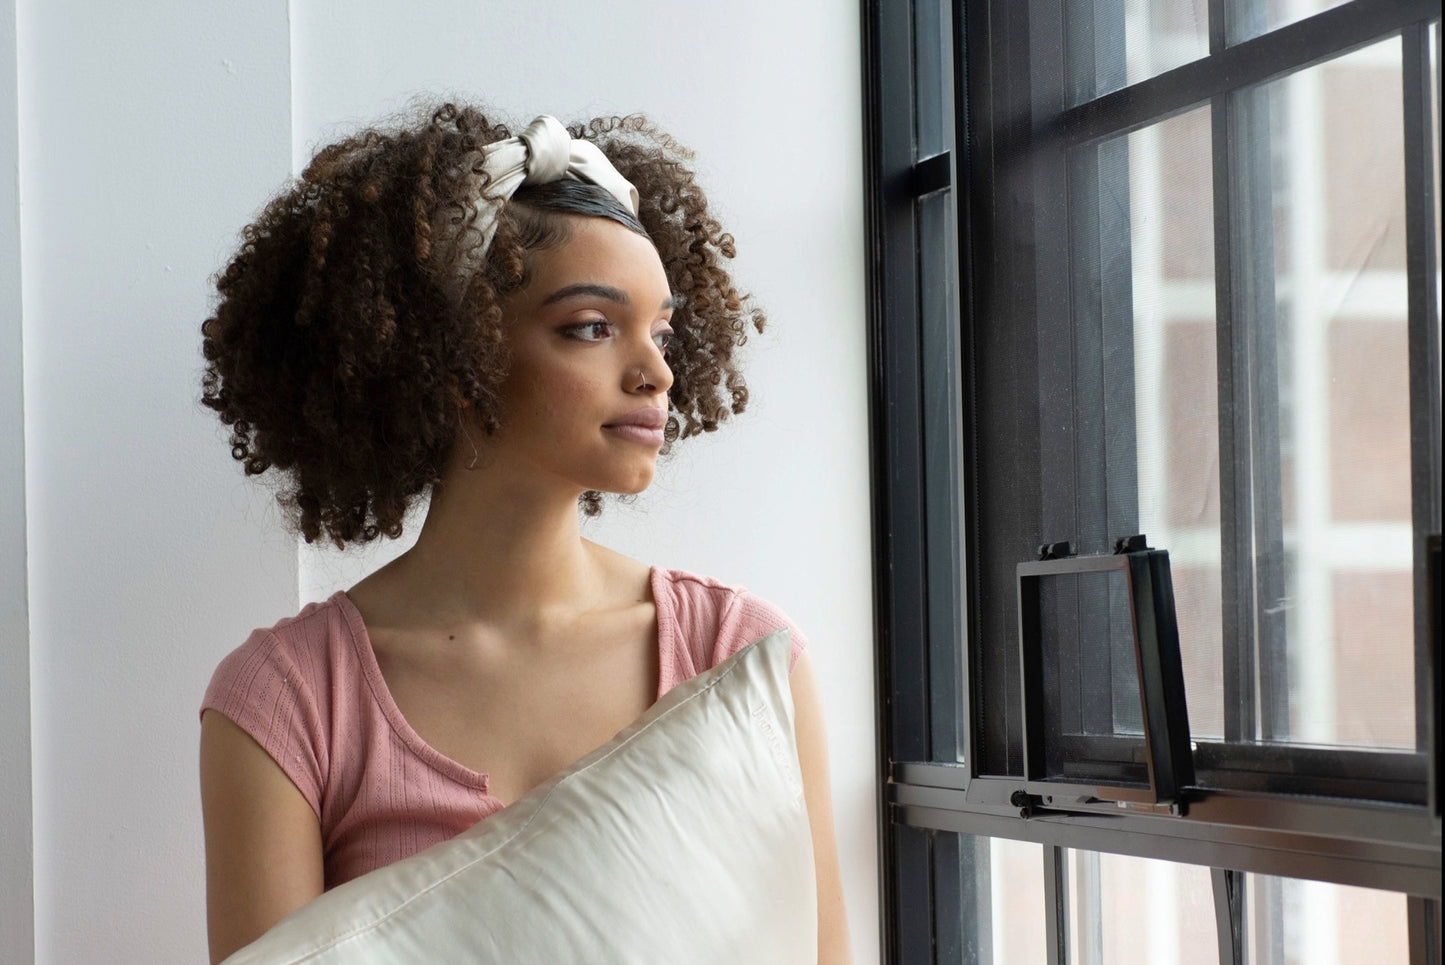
(541, 154)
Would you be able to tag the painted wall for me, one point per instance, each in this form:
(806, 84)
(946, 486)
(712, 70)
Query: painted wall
(17, 910)
(145, 139)
(146, 135)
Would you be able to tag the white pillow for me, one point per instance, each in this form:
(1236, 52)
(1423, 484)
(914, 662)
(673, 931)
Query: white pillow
(683, 840)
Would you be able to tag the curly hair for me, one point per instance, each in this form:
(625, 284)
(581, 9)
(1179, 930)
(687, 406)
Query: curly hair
(343, 354)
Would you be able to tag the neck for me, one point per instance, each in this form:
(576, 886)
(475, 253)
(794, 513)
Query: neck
(499, 552)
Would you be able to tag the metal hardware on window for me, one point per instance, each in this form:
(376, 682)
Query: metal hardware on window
(931, 174)
(1105, 719)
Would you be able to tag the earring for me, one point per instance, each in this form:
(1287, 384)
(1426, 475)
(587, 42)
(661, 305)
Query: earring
(475, 455)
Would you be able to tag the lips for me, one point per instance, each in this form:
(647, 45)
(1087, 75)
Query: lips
(643, 425)
(650, 417)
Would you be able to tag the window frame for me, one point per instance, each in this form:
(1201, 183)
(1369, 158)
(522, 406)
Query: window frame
(1353, 817)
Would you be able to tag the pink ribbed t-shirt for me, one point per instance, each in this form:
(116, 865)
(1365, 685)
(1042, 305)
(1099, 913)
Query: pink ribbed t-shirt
(310, 692)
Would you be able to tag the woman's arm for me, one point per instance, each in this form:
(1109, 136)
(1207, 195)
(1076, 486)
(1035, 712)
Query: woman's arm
(834, 947)
(263, 842)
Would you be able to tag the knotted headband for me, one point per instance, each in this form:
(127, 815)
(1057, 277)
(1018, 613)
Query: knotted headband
(541, 154)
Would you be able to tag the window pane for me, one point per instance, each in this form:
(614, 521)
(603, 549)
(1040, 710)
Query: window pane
(942, 455)
(1114, 43)
(1124, 910)
(1295, 922)
(1146, 234)
(933, 77)
(1016, 892)
(1254, 17)
(1337, 157)
(1177, 390)
(1093, 719)
(1091, 682)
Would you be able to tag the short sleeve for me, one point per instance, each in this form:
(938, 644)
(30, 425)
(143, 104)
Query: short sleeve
(270, 692)
(748, 618)
(701, 623)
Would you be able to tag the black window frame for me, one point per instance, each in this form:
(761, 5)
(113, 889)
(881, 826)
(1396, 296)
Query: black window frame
(1354, 817)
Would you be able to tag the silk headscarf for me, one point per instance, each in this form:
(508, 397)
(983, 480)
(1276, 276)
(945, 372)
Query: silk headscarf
(541, 154)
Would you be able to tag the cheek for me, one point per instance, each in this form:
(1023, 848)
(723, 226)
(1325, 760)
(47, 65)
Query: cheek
(552, 392)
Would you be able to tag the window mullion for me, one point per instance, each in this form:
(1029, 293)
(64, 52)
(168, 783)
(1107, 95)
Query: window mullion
(1256, 684)
(939, 362)
(909, 929)
(1229, 917)
(950, 900)
(1235, 507)
(1424, 930)
(1056, 904)
(1254, 270)
(1423, 327)
(967, 194)
(1087, 940)
(894, 363)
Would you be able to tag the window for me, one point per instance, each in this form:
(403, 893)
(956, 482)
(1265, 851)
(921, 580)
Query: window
(1167, 269)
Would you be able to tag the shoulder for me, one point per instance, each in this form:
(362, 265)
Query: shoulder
(298, 652)
(284, 686)
(713, 620)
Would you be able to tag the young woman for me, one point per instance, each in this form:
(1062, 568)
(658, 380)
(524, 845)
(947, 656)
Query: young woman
(510, 326)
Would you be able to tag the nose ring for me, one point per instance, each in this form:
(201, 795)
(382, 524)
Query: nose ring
(642, 382)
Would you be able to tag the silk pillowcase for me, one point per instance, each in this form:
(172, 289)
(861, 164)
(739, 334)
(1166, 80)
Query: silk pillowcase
(684, 839)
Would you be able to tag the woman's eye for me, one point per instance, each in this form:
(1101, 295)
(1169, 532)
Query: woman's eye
(594, 331)
(664, 339)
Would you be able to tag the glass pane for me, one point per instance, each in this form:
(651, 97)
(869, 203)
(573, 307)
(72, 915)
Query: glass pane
(1114, 43)
(1177, 390)
(1093, 721)
(1016, 893)
(1144, 296)
(1250, 18)
(943, 456)
(1336, 153)
(1124, 910)
(1295, 922)
(933, 77)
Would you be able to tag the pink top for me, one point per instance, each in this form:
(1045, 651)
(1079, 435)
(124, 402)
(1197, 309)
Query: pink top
(310, 692)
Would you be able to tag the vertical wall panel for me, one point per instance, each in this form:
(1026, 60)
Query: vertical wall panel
(148, 134)
(17, 912)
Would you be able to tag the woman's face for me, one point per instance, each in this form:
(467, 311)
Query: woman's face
(584, 404)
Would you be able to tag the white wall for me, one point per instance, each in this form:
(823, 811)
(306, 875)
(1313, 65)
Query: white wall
(146, 139)
(17, 910)
(147, 134)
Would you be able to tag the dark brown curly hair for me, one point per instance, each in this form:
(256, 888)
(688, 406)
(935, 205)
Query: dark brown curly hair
(343, 354)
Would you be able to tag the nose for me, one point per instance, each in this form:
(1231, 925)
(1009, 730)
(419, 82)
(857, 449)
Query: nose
(645, 381)
(652, 373)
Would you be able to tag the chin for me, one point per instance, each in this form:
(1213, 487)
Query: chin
(629, 487)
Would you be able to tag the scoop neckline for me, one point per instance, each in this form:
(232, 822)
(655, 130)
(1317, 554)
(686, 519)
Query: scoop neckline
(381, 693)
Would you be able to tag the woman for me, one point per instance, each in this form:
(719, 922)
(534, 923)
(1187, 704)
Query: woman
(512, 326)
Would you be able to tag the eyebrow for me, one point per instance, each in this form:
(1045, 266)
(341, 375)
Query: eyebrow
(588, 288)
(607, 292)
